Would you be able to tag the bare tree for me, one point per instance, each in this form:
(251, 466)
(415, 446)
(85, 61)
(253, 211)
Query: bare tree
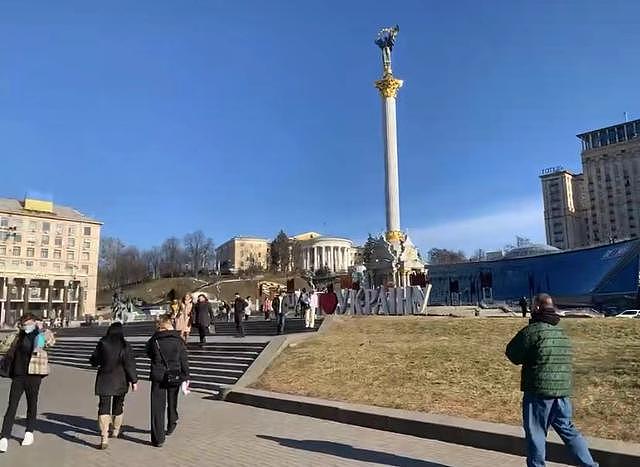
(172, 256)
(110, 249)
(444, 256)
(198, 248)
(153, 260)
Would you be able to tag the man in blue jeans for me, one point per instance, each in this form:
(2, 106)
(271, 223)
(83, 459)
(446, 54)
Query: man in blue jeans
(544, 351)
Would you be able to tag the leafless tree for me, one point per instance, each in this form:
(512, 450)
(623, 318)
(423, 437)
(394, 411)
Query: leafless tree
(198, 249)
(172, 256)
(153, 260)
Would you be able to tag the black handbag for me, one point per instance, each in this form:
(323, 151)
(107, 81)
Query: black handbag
(172, 377)
(6, 361)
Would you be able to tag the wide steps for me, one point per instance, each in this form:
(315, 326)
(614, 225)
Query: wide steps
(213, 365)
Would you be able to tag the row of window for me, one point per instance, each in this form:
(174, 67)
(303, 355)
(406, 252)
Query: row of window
(44, 253)
(57, 267)
(45, 227)
(45, 239)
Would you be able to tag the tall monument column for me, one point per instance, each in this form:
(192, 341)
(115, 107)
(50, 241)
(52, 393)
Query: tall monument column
(388, 86)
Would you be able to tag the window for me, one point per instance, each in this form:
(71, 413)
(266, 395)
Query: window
(85, 256)
(33, 226)
(44, 240)
(29, 264)
(57, 254)
(87, 231)
(68, 267)
(3, 250)
(31, 241)
(44, 253)
(2, 264)
(71, 242)
(86, 244)
(59, 229)
(16, 251)
(31, 252)
(43, 265)
(17, 238)
(56, 267)
(71, 231)
(4, 222)
(46, 227)
(70, 256)
(85, 269)
(58, 241)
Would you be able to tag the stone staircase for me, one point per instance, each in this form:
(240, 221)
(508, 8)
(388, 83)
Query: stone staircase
(213, 366)
(253, 327)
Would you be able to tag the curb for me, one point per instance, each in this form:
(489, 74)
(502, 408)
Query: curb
(478, 434)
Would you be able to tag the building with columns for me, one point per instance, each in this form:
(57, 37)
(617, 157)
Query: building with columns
(48, 260)
(315, 251)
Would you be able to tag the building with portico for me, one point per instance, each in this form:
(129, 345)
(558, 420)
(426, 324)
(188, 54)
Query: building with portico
(48, 260)
(315, 251)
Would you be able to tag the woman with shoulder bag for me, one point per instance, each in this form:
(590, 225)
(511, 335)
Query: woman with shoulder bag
(26, 363)
(113, 356)
(169, 368)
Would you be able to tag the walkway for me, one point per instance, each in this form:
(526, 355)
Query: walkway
(213, 433)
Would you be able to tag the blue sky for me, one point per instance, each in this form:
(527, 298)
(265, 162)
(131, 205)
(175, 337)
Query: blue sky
(242, 118)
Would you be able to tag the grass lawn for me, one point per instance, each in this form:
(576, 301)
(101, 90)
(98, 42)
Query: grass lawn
(457, 367)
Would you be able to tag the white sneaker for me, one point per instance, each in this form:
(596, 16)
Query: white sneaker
(4, 444)
(28, 439)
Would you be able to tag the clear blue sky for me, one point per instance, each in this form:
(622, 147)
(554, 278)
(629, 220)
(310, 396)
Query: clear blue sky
(241, 118)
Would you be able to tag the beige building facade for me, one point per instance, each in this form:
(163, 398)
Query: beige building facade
(241, 253)
(48, 260)
(315, 251)
(603, 203)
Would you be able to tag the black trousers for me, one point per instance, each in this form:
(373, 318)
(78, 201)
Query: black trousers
(163, 398)
(30, 386)
(203, 331)
(111, 405)
(239, 323)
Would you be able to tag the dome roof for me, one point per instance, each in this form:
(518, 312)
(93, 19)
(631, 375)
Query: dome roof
(531, 250)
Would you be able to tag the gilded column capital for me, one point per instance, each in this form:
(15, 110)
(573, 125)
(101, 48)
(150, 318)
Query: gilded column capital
(395, 236)
(388, 86)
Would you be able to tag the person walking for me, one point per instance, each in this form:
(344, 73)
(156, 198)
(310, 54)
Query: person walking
(310, 315)
(26, 363)
(267, 307)
(523, 306)
(544, 351)
(183, 317)
(239, 304)
(248, 308)
(304, 305)
(116, 363)
(279, 309)
(169, 369)
(202, 317)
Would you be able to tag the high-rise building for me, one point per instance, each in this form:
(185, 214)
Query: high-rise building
(602, 204)
(48, 260)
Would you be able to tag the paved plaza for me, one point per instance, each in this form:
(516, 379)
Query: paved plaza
(215, 433)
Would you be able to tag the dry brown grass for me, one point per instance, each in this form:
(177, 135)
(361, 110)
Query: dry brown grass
(458, 367)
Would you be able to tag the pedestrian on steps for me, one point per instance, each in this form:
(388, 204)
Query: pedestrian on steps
(267, 307)
(26, 363)
(239, 305)
(279, 309)
(248, 308)
(114, 358)
(202, 317)
(183, 318)
(169, 369)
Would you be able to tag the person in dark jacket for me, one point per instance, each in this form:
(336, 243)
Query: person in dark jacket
(523, 306)
(26, 363)
(544, 351)
(239, 304)
(279, 308)
(202, 316)
(168, 354)
(113, 356)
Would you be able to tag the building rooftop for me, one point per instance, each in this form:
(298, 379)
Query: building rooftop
(618, 133)
(30, 207)
(531, 250)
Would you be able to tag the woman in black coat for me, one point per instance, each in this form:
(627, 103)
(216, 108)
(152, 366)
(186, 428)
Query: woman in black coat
(202, 316)
(116, 371)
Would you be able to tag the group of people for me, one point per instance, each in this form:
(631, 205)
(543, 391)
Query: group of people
(26, 363)
(186, 315)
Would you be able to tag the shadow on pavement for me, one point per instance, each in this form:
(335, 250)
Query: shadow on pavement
(67, 427)
(349, 452)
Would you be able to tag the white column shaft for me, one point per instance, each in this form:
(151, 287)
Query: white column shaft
(392, 192)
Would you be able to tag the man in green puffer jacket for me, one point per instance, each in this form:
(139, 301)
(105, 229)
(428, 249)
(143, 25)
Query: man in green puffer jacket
(544, 351)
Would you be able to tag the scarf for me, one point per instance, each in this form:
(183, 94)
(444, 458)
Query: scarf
(545, 315)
